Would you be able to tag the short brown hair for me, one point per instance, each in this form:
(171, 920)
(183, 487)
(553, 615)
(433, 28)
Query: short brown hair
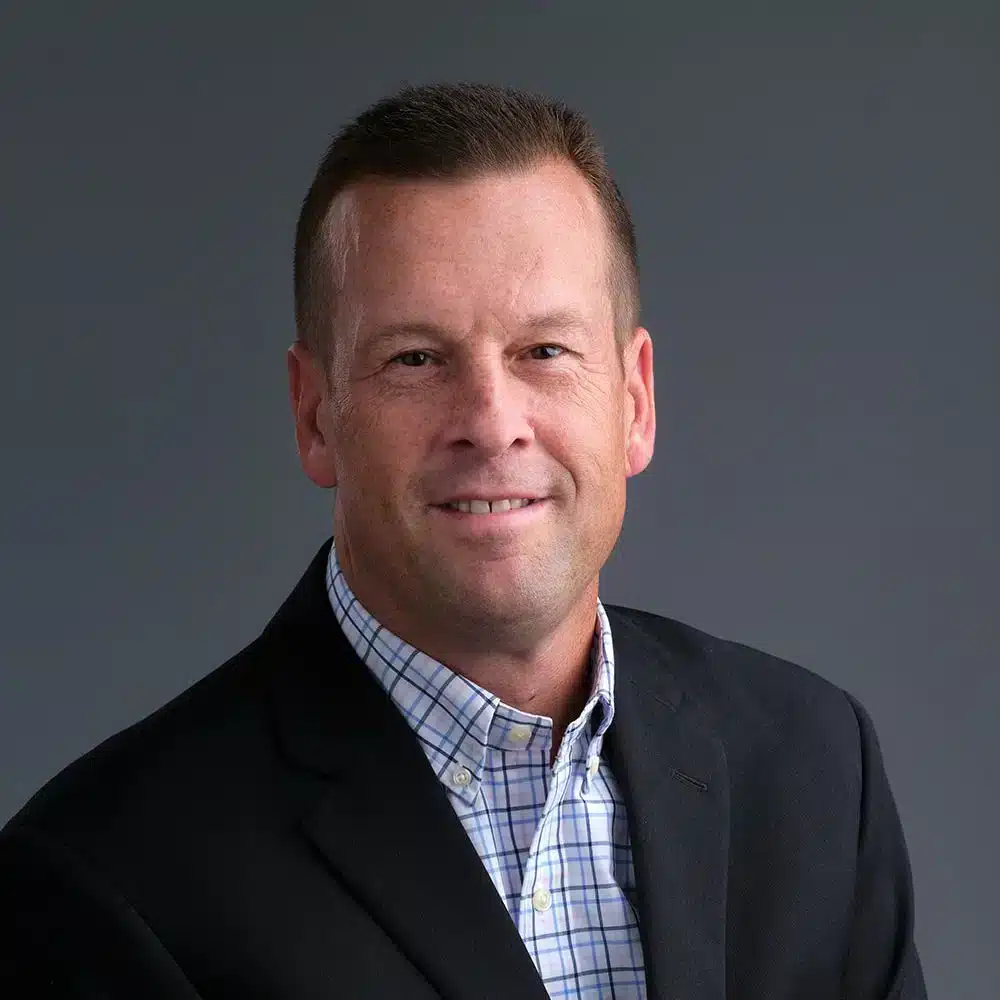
(454, 130)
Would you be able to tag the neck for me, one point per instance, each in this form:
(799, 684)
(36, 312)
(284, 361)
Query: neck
(544, 671)
(553, 679)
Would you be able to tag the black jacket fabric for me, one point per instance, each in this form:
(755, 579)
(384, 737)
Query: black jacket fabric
(276, 832)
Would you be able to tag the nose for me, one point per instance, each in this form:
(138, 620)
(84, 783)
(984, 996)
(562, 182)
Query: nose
(489, 408)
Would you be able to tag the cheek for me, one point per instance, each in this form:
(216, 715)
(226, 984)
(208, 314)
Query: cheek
(588, 442)
(378, 448)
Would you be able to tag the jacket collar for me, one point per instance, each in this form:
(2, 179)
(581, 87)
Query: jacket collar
(671, 766)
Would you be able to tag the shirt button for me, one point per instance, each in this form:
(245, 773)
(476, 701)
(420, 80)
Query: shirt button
(520, 734)
(541, 899)
(461, 776)
(593, 766)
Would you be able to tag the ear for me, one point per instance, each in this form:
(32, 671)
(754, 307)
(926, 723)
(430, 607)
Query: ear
(311, 410)
(640, 409)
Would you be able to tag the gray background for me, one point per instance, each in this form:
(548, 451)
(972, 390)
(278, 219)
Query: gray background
(815, 193)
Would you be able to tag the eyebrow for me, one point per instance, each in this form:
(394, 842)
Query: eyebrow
(560, 320)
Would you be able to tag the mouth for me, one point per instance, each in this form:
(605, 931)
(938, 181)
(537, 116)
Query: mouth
(490, 518)
(478, 508)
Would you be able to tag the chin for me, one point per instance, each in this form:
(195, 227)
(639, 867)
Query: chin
(502, 593)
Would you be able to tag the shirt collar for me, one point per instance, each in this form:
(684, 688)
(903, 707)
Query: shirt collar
(454, 719)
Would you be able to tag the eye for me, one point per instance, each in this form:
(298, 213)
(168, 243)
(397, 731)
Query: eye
(412, 359)
(546, 347)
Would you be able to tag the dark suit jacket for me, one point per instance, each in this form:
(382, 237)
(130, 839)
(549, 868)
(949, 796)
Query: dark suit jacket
(276, 832)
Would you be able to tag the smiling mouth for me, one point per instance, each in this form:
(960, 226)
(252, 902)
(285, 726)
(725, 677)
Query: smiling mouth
(487, 506)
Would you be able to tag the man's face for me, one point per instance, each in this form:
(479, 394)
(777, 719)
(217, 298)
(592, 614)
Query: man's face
(476, 361)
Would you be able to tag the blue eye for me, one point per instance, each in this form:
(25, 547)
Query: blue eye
(548, 347)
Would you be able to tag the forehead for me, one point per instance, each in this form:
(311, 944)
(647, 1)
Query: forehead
(505, 245)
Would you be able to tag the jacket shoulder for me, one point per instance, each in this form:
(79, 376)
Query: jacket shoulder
(750, 697)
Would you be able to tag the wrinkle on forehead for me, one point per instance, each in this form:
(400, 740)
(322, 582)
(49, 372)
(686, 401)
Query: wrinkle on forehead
(523, 280)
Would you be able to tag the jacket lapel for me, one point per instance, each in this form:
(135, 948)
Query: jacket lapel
(672, 771)
(383, 822)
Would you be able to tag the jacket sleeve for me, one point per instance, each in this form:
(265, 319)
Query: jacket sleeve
(882, 961)
(66, 934)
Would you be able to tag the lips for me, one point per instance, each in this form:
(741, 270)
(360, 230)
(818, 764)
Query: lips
(500, 506)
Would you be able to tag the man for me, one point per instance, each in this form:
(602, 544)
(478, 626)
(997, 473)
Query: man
(445, 768)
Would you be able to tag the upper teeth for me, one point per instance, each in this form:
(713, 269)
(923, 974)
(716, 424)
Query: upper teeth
(487, 506)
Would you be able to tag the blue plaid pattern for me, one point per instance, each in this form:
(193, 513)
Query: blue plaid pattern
(553, 838)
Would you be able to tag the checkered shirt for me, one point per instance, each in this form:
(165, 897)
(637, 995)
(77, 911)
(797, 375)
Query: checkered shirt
(553, 838)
